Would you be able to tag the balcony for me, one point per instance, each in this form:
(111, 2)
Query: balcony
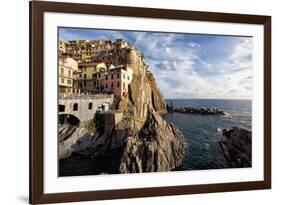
(79, 78)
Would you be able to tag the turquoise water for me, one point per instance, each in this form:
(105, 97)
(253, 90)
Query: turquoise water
(201, 132)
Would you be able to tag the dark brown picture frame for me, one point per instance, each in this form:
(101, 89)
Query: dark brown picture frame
(37, 9)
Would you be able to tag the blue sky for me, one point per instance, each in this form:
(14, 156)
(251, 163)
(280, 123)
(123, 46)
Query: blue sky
(188, 65)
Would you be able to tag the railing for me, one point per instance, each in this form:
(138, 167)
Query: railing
(64, 96)
(82, 78)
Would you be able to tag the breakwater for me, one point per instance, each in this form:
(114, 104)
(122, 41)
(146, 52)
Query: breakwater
(195, 110)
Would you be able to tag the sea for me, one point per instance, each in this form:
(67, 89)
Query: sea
(203, 132)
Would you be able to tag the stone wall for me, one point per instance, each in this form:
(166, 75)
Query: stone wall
(112, 118)
(83, 113)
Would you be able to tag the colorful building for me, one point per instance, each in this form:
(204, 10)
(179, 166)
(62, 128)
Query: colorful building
(86, 74)
(66, 68)
(85, 51)
(102, 66)
(62, 47)
(115, 80)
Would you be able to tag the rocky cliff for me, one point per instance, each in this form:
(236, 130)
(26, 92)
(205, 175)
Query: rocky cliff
(157, 146)
(149, 142)
(237, 147)
(153, 144)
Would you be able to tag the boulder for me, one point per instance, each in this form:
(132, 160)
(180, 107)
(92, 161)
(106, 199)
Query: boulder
(237, 147)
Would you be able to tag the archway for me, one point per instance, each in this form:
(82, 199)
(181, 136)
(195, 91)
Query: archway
(75, 107)
(90, 106)
(69, 119)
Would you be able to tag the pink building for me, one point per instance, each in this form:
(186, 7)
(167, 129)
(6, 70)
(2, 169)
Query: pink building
(115, 80)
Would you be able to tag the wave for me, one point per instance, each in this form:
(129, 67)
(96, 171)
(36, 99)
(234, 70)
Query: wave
(219, 130)
(227, 115)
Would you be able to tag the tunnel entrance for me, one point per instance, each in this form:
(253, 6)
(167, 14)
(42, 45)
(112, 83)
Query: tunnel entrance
(69, 119)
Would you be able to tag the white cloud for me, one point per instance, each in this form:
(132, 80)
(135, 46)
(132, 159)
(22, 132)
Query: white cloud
(193, 44)
(168, 50)
(180, 78)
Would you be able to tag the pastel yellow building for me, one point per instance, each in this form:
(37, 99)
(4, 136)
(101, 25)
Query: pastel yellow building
(66, 68)
(80, 50)
(86, 74)
(89, 69)
(62, 47)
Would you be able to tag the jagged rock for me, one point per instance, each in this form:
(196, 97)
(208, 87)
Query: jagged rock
(237, 147)
(162, 149)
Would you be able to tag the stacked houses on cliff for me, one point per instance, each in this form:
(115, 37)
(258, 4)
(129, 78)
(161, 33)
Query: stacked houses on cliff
(100, 66)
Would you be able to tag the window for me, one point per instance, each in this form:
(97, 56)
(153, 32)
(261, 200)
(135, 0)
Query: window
(118, 76)
(106, 77)
(106, 85)
(85, 83)
(61, 108)
(99, 75)
(90, 106)
(128, 77)
(85, 75)
(80, 75)
(75, 107)
(112, 85)
(69, 73)
(61, 71)
(118, 84)
(62, 80)
(124, 76)
(123, 85)
(112, 76)
(69, 82)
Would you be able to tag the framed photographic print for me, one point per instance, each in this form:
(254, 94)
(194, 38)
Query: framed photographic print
(138, 102)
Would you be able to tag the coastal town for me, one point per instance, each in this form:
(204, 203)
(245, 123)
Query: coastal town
(94, 67)
(93, 75)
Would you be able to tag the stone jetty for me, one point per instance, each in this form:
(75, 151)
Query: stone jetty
(196, 110)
